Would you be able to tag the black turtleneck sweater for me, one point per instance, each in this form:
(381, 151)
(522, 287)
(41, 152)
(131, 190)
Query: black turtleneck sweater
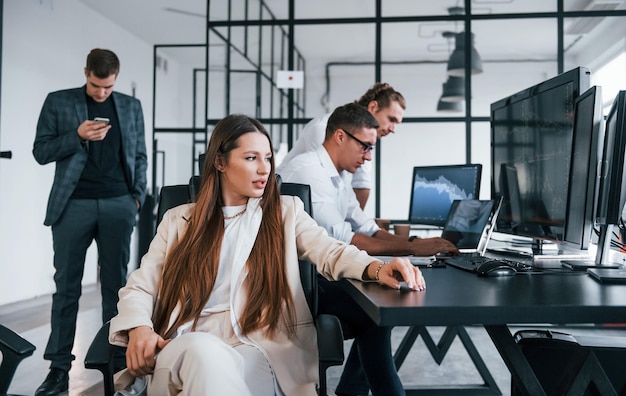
(104, 175)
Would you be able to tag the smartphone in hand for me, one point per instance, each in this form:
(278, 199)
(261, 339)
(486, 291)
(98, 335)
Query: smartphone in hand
(101, 120)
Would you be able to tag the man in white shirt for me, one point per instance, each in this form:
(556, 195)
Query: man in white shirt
(350, 138)
(386, 105)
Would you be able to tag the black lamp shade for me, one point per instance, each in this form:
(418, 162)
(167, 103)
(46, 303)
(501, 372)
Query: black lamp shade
(449, 107)
(456, 63)
(453, 89)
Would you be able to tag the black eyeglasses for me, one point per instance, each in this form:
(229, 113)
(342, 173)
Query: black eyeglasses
(365, 147)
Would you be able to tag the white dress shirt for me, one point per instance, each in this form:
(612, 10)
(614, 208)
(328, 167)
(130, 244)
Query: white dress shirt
(312, 137)
(335, 206)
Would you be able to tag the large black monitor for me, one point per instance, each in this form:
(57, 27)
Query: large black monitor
(532, 138)
(583, 177)
(612, 191)
(434, 188)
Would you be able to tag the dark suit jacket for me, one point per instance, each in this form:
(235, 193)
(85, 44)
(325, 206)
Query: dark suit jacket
(57, 141)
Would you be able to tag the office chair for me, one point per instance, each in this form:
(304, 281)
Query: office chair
(102, 356)
(194, 187)
(172, 196)
(328, 327)
(14, 349)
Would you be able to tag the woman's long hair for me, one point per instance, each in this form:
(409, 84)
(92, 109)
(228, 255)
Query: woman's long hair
(190, 267)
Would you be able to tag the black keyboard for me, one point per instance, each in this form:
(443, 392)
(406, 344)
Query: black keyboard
(471, 263)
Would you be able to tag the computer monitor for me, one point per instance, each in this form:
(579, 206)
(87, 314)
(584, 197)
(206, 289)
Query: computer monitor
(434, 188)
(612, 190)
(511, 211)
(583, 185)
(532, 138)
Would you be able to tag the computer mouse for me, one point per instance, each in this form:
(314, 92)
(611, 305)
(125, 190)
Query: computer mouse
(495, 268)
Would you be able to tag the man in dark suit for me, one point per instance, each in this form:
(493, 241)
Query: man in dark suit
(99, 186)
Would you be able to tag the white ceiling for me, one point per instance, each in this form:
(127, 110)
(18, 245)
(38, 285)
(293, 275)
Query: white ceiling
(183, 22)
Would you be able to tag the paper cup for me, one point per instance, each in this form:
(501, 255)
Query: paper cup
(402, 229)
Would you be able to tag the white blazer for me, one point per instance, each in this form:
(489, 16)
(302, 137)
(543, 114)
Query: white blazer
(294, 361)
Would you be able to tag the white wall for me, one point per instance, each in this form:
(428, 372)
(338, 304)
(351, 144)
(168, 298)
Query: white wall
(45, 45)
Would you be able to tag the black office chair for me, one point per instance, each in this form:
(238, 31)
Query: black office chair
(328, 327)
(101, 355)
(14, 349)
(172, 196)
(194, 187)
(105, 357)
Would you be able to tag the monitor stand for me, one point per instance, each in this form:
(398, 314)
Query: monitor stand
(553, 258)
(602, 259)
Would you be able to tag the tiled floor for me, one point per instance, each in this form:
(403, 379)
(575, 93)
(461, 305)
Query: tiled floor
(30, 319)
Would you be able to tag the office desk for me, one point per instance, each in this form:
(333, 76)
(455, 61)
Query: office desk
(456, 298)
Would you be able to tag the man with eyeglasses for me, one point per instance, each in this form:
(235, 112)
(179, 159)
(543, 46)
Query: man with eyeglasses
(386, 105)
(350, 138)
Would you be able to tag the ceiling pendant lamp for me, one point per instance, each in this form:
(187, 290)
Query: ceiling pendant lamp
(449, 107)
(456, 63)
(453, 89)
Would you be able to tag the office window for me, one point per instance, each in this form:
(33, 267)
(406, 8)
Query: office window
(524, 56)
(331, 9)
(511, 7)
(586, 5)
(417, 67)
(343, 70)
(419, 144)
(394, 8)
(612, 78)
(481, 154)
(248, 10)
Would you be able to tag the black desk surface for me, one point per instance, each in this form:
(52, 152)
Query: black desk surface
(456, 297)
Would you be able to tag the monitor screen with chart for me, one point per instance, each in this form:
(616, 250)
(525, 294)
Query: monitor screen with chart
(434, 188)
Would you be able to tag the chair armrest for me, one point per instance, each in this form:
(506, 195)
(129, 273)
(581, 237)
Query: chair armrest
(11, 342)
(99, 352)
(14, 349)
(329, 340)
(106, 358)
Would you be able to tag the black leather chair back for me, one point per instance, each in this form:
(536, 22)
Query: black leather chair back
(302, 191)
(170, 197)
(194, 187)
(329, 332)
(308, 272)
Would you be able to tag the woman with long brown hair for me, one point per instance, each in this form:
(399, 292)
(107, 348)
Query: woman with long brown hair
(216, 306)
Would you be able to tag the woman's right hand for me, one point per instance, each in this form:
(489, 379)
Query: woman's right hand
(143, 345)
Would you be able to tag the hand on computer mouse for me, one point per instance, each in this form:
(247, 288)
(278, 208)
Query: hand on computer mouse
(394, 272)
(432, 246)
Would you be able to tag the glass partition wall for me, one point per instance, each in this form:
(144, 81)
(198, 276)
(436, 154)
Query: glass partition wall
(342, 48)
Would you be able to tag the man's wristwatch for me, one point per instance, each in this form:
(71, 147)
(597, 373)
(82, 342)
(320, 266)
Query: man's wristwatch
(412, 237)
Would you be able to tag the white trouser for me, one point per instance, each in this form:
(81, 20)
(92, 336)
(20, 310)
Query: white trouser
(200, 363)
